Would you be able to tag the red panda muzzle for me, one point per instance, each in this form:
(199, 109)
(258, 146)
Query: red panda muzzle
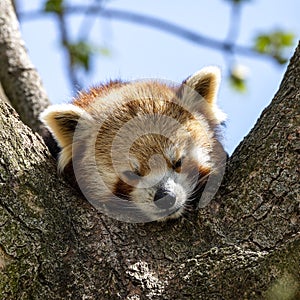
(164, 199)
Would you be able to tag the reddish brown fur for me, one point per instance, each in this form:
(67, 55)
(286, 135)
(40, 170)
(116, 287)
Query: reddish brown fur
(123, 190)
(85, 98)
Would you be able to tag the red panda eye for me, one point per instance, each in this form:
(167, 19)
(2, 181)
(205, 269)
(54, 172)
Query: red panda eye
(177, 164)
(130, 175)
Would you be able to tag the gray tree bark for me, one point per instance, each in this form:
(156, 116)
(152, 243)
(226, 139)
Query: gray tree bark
(20, 80)
(244, 245)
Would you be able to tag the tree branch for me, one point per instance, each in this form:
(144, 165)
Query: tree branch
(65, 40)
(153, 22)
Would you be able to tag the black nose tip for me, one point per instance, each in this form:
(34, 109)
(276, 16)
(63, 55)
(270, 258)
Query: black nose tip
(164, 199)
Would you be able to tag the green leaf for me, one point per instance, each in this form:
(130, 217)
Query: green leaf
(287, 39)
(238, 77)
(55, 6)
(262, 43)
(238, 84)
(80, 53)
(280, 59)
(274, 44)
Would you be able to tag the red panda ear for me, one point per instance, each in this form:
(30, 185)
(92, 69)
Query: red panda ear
(61, 120)
(206, 82)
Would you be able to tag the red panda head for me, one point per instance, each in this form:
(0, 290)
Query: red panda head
(141, 151)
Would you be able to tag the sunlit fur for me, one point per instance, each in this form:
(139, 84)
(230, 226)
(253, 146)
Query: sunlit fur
(142, 128)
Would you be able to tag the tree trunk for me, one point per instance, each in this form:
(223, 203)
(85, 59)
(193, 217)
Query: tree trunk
(244, 245)
(20, 80)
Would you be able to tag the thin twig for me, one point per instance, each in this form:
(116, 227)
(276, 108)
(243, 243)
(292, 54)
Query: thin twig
(153, 22)
(65, 40)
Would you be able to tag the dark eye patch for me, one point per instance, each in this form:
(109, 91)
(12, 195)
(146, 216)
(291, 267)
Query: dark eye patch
(177, 164)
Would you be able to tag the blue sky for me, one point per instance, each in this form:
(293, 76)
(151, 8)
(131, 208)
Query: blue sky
(143, 52)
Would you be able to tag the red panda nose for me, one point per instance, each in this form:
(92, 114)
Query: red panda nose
(164, 199)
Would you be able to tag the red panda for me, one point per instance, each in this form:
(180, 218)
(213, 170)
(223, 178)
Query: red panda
(143, 150)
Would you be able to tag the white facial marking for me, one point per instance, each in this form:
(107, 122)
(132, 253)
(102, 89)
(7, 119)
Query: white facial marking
(202, 156)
